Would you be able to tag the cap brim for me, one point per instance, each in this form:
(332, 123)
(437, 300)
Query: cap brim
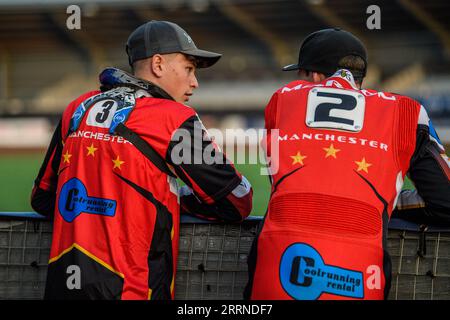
(291, 67)
(204, 58)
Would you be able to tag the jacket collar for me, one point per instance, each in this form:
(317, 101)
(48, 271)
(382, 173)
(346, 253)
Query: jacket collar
(112, 77)
(343, 78)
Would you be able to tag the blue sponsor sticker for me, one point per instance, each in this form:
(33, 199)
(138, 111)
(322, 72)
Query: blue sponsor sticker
(125, 106)
(433, 132)
(76, 117)
(74, 200)
(305, 276)
(120, 116)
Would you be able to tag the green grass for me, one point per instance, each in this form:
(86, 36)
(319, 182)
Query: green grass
(261, 187)
(17, 173)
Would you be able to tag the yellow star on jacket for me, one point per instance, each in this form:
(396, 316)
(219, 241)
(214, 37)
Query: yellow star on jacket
(91, 150)
(298, 158)
(67, 157)
(117, 163)
(331, 151)
(363, 165)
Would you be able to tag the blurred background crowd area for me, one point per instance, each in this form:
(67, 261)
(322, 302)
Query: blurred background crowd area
(44, 65)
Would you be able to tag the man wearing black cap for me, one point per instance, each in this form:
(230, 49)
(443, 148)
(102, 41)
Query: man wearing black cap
(342, 158)
(324, 52)
(109, 176)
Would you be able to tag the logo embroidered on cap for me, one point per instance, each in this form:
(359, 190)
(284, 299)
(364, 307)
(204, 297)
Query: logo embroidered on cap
(188, 37)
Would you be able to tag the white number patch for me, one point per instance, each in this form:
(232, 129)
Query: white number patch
(332, 108)
(101, 113)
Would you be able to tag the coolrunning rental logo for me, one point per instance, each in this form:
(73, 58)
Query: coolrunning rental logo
(305, 276)
(74, 200)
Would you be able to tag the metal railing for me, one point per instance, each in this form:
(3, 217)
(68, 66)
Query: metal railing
(212, 262)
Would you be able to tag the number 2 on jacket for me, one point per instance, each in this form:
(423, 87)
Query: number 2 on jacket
(331, 108)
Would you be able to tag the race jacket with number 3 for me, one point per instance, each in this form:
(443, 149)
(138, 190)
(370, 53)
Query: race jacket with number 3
(339, 157)
(116, 214)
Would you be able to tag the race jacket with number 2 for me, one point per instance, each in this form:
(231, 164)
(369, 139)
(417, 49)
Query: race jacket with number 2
(339, 156)
(116, 214)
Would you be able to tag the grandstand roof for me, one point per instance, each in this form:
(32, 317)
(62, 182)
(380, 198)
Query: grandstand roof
(257, 37)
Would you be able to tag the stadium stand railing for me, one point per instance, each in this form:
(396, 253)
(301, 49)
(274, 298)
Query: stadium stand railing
(212, 261)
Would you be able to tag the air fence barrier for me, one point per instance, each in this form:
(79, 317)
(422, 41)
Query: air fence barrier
(212, 261)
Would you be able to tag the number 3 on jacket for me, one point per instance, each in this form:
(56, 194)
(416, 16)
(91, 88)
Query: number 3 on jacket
(101, 113)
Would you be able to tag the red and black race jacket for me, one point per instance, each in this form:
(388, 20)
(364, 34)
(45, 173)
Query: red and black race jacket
(337, 171)
(116, 214)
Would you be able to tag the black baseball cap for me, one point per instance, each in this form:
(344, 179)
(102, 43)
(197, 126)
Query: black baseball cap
(322, 50)
(165, 37)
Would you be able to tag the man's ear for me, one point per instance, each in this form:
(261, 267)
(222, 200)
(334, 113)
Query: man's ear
(157, 65)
